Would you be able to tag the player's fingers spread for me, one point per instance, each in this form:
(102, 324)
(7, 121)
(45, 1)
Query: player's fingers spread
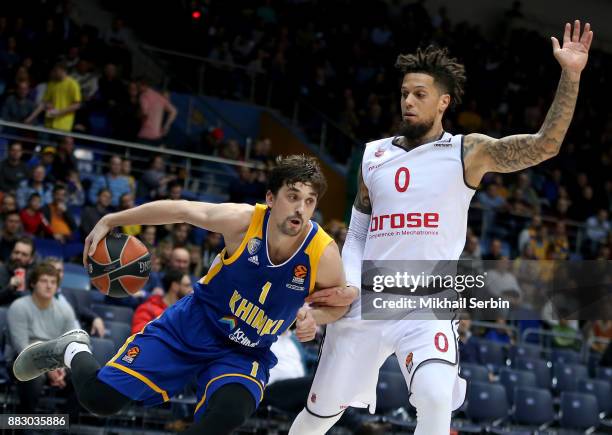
(576, 33)
(566, 34)
(555, 44)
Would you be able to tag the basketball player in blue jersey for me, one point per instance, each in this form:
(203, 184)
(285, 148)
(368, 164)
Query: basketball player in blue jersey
(275, 256)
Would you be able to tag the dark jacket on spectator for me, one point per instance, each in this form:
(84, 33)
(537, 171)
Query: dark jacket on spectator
(8, 293)
(11, 176)
(90, 217)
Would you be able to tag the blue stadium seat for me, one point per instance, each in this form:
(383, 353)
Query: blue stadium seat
(538, 366)
(533, 406)
(565, 356)
(73, 249)
(566, 376)
(578, 411)
(77, 280)
(524, 351)
(48, 248)
(103, 349)
(486, 402)
(492, 354)
(118, 332)
(511, 379)
(391, 392)
(114, 313)
(474, 372)
(600, 389)
(83, 296)
(604, 373)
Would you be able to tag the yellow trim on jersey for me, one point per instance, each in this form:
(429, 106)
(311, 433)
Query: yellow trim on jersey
(314, 251)
(142, 378)
(201, 402)
(134, 373)
(255, 230)
(213, 270)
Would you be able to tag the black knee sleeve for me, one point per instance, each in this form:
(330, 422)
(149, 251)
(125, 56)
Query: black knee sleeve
(96, 396)
(227, 409)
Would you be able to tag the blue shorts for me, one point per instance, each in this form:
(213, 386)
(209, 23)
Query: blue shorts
(156, 363)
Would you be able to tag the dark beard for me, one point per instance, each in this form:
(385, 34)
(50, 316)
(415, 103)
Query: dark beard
(414, 132)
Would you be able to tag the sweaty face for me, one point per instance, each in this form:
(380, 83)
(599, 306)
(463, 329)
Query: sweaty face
(421, 102)
(292, 207)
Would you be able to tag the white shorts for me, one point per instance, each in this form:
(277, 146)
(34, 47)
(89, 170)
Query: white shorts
(354, 350)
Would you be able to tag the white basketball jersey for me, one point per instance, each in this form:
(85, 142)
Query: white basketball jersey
(419, 200)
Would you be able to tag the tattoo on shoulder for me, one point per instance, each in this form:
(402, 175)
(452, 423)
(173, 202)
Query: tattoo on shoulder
(362, 200)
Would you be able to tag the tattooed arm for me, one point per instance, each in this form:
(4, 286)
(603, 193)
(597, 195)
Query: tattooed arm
(362, 200)
(484, 154)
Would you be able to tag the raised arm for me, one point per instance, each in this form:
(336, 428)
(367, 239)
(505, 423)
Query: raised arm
(231, 220)
(484, 154)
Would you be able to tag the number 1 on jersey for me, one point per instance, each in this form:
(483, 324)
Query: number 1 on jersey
(264, 292)
(254, 369)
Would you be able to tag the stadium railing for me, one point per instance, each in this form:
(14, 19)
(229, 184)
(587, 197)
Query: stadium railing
(204, 174)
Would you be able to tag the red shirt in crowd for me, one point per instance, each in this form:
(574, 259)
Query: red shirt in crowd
(147, 311)
(34, 222)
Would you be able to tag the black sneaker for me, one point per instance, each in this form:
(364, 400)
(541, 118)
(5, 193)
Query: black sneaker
(44, 356)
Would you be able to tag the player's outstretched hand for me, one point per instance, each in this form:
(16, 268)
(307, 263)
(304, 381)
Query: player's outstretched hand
(334, 296)
(574, 53)
(91, 241)
(306, 326)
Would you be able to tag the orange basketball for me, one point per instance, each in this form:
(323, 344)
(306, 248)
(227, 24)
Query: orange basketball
(120, 266)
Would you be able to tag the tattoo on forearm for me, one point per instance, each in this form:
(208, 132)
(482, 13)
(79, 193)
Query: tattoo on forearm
(521, 151)
(362, 200)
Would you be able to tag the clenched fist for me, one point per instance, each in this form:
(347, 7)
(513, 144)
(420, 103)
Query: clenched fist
(306, 327)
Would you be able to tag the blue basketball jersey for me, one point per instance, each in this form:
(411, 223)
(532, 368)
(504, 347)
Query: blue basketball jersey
(250, 300)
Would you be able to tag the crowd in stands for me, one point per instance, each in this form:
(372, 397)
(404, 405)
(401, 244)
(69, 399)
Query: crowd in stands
(349, 75)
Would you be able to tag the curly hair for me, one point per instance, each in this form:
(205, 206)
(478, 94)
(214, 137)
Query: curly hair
(436, 62)
(297, 169)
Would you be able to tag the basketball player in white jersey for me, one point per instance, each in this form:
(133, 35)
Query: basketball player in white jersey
(421, 182)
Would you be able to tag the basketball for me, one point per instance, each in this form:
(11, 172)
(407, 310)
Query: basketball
(120, 266)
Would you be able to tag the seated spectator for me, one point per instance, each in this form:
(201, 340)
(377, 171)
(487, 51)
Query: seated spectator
(176, 285)
(35, 184)
(502, 334)
(126, 202)
(529, 232)
(584, 205)
(154, 107)
(13, 170)
(33, 220)
(39, 316)
(18, 106)
(148, 235)
(540, 243)
(60, 101)
(495, 250)
(92, 214)
(526, 192)
(568, 337)
(597, 229)
(600, 329)
(180, 235)
(56, 213)
(116, 183)
(175, 191)
(262, 152)
(501, 279)
(126, 171)
(247, 188)
(195, 261)
(211, 246)
(560, 241)
(74, 189)
(468, 347)
(86, 317)
(14, 273)
(154, 181)
(8, 205)
(11, 232)
(65, 161)
(44, 156)
(179, 260)
(472, 253)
